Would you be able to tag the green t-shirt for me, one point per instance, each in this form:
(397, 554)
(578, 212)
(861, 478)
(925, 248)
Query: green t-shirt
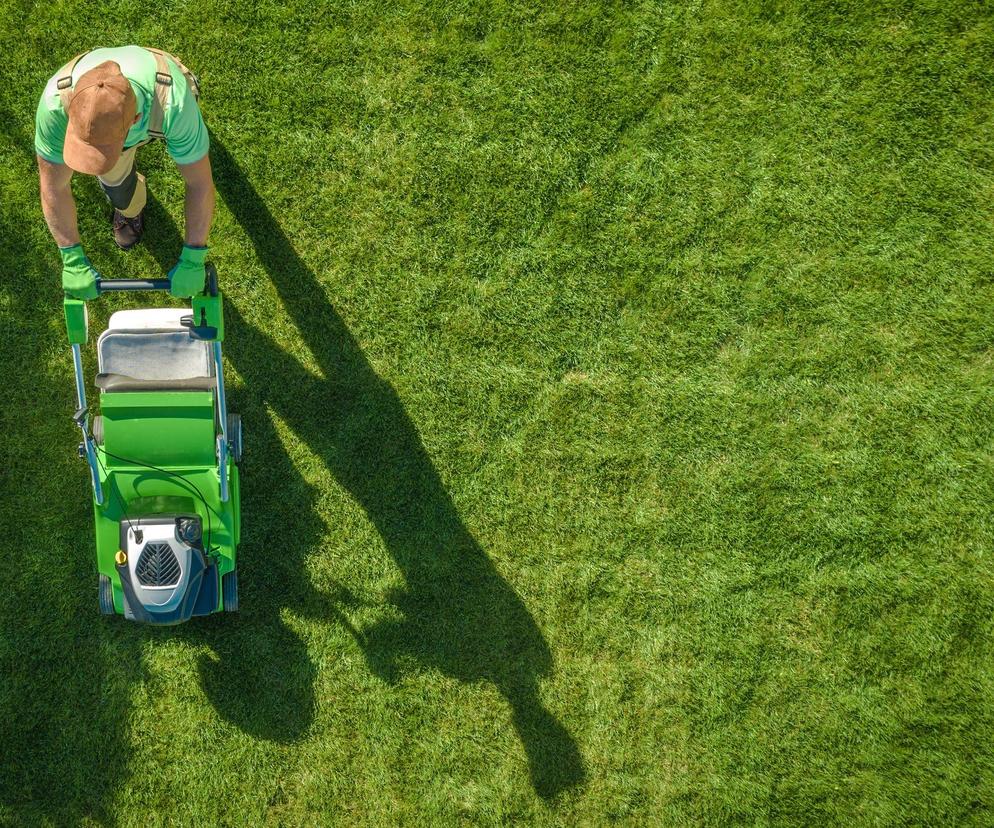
(186, 134)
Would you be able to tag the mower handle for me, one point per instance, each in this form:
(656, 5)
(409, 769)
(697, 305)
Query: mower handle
(111, 285)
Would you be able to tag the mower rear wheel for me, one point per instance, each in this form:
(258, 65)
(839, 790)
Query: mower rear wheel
(106, 596)
(235, 437)
(229, 591)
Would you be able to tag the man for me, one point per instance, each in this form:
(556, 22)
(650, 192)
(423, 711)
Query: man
(92, 117)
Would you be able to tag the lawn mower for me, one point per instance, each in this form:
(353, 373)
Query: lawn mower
(163, 454)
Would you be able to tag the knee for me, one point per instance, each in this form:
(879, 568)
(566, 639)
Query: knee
(121, 194)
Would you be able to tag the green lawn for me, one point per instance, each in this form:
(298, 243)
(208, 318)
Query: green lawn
(616, 380)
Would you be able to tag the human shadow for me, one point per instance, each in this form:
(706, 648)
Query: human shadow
(456, 613)
(257, 672)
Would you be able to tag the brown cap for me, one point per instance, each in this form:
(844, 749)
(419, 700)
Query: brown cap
(101, 112)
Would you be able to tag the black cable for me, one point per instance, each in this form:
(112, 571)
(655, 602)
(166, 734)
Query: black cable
(120, 500)
(182, 480)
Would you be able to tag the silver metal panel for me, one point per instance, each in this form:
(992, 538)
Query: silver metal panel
(158, 598)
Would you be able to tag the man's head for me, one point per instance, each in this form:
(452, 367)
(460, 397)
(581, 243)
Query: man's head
(102, 109)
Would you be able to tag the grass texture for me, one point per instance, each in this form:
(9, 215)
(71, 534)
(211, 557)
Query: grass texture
(616, 381)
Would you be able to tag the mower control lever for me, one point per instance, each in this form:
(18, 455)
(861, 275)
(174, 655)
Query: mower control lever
(80, 416)
(211, 272)
(203, 331)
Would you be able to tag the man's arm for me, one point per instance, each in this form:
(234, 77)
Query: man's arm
(79, 277)
(57, 202)
(199, 205)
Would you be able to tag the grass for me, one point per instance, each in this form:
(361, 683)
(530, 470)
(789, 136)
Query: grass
(619, 422)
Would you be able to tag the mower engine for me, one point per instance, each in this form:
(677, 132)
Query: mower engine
(166, 577)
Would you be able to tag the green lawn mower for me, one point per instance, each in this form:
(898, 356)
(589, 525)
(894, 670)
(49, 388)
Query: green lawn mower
(163, 454)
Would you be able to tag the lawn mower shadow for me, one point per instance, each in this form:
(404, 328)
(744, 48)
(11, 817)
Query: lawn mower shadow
(64, 741)
(457, 614)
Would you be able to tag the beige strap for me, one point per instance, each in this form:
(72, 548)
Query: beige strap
(163, 82)
(192, 80)
(64, 80)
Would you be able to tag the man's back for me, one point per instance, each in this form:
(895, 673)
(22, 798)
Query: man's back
(186, 135)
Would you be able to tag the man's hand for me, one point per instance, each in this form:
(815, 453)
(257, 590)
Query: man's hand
(188, 275)
(79, 277)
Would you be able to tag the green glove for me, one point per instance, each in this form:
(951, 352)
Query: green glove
(188, 275)
(79, 277)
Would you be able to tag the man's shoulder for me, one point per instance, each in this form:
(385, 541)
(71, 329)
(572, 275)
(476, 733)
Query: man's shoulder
(50, 103)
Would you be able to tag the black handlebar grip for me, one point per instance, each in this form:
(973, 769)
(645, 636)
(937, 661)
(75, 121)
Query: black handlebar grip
(111, 285)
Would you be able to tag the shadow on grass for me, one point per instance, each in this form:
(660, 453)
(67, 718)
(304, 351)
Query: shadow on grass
(67, 674)
(457, 615)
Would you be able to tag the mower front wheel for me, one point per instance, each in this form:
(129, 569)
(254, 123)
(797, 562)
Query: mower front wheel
(229, 591)
(106, 596)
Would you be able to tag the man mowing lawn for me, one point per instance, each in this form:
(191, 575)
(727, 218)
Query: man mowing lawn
(94, 114)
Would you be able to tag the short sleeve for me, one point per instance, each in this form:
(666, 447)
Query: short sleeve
(50, 128)
(186, 133)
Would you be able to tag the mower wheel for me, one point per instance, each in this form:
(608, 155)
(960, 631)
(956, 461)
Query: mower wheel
(229, 591)
(235, 437)
(106, 596)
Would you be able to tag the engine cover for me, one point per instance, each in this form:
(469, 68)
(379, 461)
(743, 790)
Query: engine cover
(167, 578)
(159, 565)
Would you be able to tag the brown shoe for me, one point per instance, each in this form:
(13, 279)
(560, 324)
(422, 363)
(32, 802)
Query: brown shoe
(128, 231)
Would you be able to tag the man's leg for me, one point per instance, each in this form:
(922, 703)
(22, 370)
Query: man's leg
(124, 186)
